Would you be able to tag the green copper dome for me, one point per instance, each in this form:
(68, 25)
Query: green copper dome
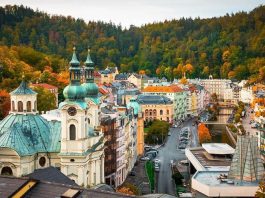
(29, 134)
(135, 105)
(91, 89)
(74, 92)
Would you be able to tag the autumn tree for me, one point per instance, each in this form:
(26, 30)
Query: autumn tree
(46, 99)
(204, 133)
(4, 103)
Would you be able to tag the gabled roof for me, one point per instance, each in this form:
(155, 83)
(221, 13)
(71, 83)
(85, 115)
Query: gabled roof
(23, 89)
(44, 85)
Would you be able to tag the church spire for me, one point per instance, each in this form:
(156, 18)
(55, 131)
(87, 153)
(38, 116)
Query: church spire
(74, 61)
(74, 70)
(89, 68)
(88, 59)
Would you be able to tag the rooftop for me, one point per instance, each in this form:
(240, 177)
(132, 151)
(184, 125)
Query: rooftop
(218, 148)
(202, 160)
(153, 99)
(43, 189)
(44, 85)
(23, 89)
(210, 178)
(164, 89)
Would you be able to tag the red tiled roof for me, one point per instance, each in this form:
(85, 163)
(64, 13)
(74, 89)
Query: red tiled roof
(97, 74)
(103, 91)
(44, 85)
(165, 89)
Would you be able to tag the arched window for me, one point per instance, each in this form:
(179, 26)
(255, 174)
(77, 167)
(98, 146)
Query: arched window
(150, 112)
(154, 112)
(167, 111)
(6, 171)
(72, 132)
(20, 106)
(146, 112)
(88, 120)
(28, 106)
(161, 112)
(13, 106)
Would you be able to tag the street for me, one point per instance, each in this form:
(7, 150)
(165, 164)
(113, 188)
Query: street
(169, 152)
(246, 124)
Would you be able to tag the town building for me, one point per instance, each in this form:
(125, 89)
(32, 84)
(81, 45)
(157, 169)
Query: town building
(108, 75)
(176, 94)
(217, 86)
(28, 141)
(138, 118)
(156, 107)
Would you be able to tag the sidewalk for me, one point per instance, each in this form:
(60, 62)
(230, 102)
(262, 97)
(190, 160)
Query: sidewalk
(140, 179)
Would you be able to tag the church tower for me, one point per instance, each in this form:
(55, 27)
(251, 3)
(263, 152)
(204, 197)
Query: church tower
(81, 149)
(91, 88)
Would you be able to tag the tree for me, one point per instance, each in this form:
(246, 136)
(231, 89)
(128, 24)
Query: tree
(204, 133)
(4, 103)
(261, 191)
(157, 132)
(46, 99)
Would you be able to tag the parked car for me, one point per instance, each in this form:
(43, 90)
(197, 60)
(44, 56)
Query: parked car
(181, 146)
(152, 153)
(169, 134)
(157, 168)
(147, 148)
(157, 161)
(144, 158)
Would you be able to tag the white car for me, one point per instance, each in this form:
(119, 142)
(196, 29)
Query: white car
(157, 168)
(145, 158)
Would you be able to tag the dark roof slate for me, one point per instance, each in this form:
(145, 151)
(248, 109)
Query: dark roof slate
(51, 174)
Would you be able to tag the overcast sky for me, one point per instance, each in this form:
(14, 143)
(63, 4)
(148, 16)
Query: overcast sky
(138, 12)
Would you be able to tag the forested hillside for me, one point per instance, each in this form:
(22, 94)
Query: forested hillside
(232, 46)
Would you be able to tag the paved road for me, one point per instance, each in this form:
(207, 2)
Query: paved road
(249, 116)
(170, 152)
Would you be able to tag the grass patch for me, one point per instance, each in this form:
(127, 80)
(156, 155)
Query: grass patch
(149, 168)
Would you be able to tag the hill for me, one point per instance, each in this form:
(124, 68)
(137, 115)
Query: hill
(232, 46)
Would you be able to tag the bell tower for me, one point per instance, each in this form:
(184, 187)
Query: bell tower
(81, 150)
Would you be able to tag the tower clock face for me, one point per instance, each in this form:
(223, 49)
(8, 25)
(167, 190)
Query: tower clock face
(71, 111)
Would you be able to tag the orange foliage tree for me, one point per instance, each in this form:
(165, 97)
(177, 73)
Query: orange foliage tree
(4, 103)
(142, 72)
(204, 133)
(125, 190)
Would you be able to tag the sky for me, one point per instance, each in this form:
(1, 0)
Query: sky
(138, 12)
